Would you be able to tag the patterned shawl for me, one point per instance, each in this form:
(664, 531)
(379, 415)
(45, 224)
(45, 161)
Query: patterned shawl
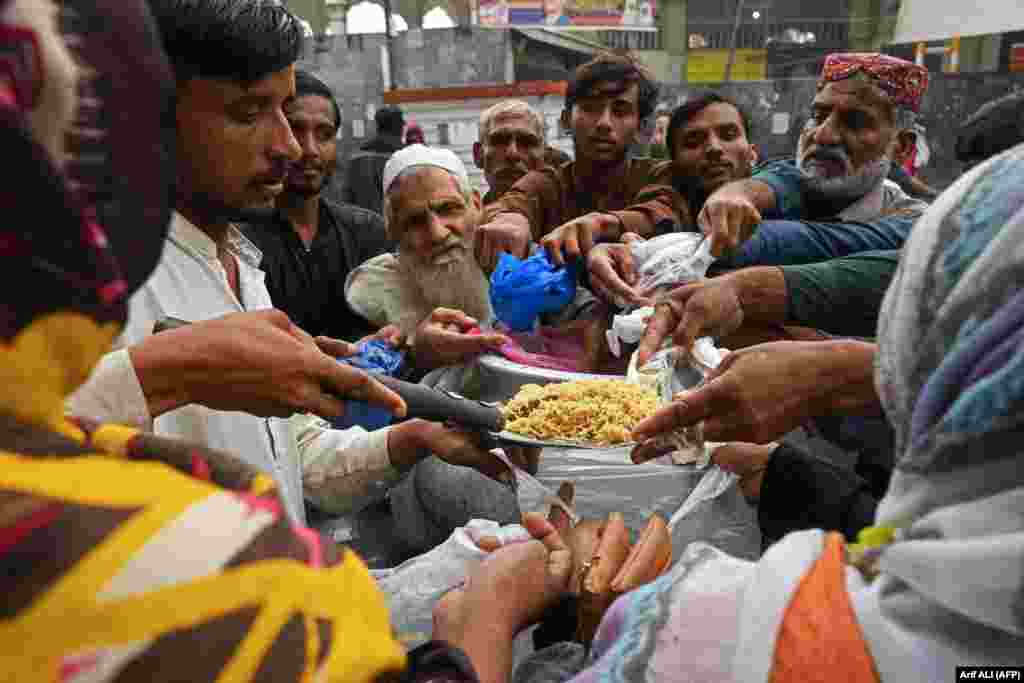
(127, 557)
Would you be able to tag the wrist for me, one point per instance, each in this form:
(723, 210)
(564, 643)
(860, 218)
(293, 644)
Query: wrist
(848, 375)
(761, 293)
(486, 621)
(487, 642)
(613, 226)
(406, 444)
(160, 371)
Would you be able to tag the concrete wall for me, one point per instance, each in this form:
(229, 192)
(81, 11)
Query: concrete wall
(352, 67)
(448, 57)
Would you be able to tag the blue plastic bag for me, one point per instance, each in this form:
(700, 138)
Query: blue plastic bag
(376, 357)
(522, 290)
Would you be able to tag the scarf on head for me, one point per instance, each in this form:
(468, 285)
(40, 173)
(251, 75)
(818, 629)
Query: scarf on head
(129, 557)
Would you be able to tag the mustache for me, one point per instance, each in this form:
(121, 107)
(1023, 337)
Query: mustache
(837, 154)
(272, 178)
(306, 165)
(451, 244)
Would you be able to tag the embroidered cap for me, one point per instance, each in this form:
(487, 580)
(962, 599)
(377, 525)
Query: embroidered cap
(903, 81)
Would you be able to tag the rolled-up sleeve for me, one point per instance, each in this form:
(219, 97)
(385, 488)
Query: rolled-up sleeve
(112, 394)
(539, 197)
(657, 209)
(342, 469)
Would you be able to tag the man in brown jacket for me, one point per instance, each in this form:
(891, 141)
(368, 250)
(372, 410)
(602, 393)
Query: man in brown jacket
(603, 193)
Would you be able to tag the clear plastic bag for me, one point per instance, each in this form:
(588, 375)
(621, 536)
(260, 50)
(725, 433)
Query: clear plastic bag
(413, 588)
(661, 263)
(703, 504)
(672, 259)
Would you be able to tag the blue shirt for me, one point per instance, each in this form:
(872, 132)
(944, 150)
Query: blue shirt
(802, 230)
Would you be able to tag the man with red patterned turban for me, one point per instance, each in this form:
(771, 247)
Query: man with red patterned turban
(833, 198)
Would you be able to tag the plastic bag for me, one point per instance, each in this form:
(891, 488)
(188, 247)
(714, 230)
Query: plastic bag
(705, 505)
(413, 588)
(376, 357)
(547, 347)
(662, 262)
(672, 259)
(671, 371)
(522, 290)
(628, 329)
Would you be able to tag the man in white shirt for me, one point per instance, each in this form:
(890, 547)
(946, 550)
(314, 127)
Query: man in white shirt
(234, 65)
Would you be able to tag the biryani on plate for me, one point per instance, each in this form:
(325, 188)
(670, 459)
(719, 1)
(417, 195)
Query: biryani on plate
(596, 411)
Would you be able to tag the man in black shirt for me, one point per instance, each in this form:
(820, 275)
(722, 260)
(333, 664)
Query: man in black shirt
(311, 244)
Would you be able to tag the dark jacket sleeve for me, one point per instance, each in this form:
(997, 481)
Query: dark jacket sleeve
(841, 296)
(781, 243)
(800, 491)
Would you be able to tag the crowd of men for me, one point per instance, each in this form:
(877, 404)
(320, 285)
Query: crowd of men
(278, 282)
(806, 246)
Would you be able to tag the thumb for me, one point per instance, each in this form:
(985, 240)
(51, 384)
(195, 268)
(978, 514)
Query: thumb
(628, 266)
(336, 348)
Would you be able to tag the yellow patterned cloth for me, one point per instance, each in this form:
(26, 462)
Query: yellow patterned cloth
(120, 566)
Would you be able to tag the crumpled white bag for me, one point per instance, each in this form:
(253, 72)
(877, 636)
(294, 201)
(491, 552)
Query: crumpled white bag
(673, 259)
(413, 588)
(663, 262)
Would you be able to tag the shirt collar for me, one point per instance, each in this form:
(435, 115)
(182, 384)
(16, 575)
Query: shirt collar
(869, 207)
(190, 238)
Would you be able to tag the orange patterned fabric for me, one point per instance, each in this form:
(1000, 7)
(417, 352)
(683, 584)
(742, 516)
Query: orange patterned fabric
(819, 639)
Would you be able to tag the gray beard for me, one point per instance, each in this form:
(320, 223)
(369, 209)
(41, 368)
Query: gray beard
(459, 284)
(848, 188)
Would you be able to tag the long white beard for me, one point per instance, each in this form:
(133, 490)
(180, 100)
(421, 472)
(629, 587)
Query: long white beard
(454, 281)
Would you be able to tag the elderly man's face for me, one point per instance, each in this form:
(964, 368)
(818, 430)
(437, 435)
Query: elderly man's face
(712, 148)
(234, 143)
(844, 147)
(430, 218)
(512, 148)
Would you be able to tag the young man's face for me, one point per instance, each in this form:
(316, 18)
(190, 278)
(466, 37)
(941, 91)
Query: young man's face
(512, 148)
(712, 148)
(604, 123)
(843, 149)
(311, 118)
(234, 143)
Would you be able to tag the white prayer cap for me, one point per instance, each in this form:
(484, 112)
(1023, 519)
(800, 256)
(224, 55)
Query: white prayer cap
(421, 155)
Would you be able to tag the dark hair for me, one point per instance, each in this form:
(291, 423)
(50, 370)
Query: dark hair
(614, 67)
(308, 84)
(685, 112)
(996, 127)
(389, 119)
(235, 40)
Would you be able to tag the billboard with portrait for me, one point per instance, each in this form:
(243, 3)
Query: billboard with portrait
(567, 14)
